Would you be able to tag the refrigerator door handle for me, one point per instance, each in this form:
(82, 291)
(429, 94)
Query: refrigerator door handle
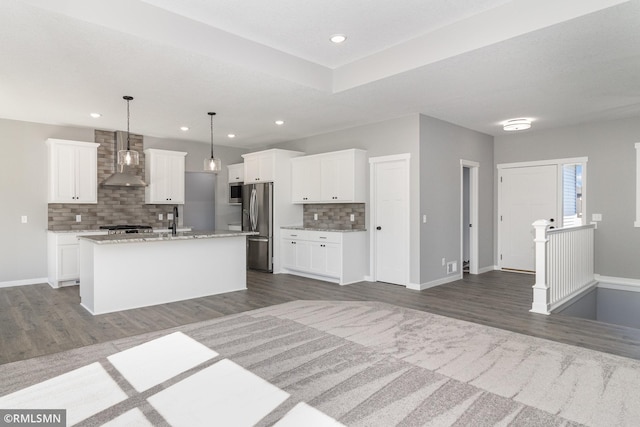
(253, 209)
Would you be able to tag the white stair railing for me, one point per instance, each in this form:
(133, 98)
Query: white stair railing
(564, 264)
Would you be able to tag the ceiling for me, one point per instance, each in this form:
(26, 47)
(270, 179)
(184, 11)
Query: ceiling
(475, 63)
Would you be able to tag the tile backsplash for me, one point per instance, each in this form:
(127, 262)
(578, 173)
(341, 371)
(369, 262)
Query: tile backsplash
(335, 216)
(116, 205)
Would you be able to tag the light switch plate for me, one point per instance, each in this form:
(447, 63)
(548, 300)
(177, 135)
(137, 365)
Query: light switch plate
(160, 217)
(169, 217)
(78, 218)
(352, 217)
(23, 219)
(596, 217)
(315, 217)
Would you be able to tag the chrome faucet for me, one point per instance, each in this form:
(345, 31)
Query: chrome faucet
(174, 223)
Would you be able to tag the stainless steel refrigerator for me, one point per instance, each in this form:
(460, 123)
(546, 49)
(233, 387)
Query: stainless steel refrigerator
(257, 215)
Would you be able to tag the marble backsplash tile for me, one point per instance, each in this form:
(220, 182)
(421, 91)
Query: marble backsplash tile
(116, 205)
(335, 216)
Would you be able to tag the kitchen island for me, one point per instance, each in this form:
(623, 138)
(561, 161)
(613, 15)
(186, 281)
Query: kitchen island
(125, 271)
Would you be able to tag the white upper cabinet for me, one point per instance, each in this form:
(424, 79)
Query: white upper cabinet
(336, 177)
(164, 174)
(73, 171)
(263, 166)
(259, 167)
(236, 172)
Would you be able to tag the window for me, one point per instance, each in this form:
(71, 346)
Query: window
(572, 213)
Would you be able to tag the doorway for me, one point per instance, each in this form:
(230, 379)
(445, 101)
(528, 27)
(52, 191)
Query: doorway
(531, 191)
(389, 224)
(469, 172)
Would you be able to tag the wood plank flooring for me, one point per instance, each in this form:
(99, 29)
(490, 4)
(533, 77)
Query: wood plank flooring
(37, 320)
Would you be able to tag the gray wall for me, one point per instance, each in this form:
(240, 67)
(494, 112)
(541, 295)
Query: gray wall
(610, 188)
(23, 190)
(379, 139)
(442, 146)
(436, 148)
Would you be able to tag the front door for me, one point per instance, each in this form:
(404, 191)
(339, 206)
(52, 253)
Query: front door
(390, 221)
(527, 194)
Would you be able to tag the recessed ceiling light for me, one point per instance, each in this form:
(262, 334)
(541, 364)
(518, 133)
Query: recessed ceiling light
(279, 122)
(338, 38)
(231, 135)
(184, 128)
(95, 115)
(516, 124)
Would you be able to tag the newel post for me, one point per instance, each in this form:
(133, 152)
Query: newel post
(541, 288)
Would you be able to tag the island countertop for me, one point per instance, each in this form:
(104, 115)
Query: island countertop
(156, 237)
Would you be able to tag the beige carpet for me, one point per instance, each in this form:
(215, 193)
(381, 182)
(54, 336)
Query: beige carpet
(324, 362)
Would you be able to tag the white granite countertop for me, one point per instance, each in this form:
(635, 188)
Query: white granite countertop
(96, 230)
(156, 237)
(333, 230)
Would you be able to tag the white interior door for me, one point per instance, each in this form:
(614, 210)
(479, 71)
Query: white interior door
(390, 222)
(526, 195)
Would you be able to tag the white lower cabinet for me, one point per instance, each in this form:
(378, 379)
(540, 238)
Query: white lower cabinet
(334, 256)
(63, 257)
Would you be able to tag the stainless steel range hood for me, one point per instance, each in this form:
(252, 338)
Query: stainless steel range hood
(123, 177)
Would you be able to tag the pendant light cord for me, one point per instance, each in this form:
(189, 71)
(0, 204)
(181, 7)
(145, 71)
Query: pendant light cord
(211, 115)
(128, 99)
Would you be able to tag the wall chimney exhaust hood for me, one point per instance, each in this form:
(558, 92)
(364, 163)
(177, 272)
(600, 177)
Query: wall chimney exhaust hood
(122, 177)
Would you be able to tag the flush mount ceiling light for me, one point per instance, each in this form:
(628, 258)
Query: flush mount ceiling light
(212, 164)
(231, 135)
(516, 124)
(279, 122)
(95, 115)
(128, 157)
(338, 38)
(184, 128)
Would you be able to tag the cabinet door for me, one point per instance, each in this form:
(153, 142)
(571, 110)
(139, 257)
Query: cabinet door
(337, 177)
(86, 175)
(175, 172)
(63, 174)
(236, 173)
(68, 266)
(288, 253)
(266, 167)
(305, 180)
(334, 259)
(251, 172)
(303, 255)
(318, 258)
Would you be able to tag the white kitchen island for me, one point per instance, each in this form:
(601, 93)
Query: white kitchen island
(125, 271)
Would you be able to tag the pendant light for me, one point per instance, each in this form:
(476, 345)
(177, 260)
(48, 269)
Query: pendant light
(128, 157)
(212, 164)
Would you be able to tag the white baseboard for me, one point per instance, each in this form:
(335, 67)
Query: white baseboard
(488, 269)
(23, 282)
(433, 283)
(618, 283)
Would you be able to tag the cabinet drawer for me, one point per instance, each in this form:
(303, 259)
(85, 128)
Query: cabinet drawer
(294, 234)
(324, 236)
(67, 239)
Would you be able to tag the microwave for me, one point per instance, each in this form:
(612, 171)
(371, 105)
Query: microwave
(235, 192)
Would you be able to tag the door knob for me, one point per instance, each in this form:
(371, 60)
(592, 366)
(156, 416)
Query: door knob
(551, 220)
(378, 228)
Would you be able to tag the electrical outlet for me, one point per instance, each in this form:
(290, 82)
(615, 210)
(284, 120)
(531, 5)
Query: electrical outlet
(352, 217)
(452, 267)
(315, 217)
(160, 217)
(78, 218)
(424, 219)
(443, 261)
(23, 219)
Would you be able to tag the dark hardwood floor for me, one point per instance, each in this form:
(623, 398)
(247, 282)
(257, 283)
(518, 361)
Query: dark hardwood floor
(37, 320)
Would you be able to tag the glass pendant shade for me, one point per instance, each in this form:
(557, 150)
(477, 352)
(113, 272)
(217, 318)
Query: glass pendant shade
(128, 157)
(212, 165)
